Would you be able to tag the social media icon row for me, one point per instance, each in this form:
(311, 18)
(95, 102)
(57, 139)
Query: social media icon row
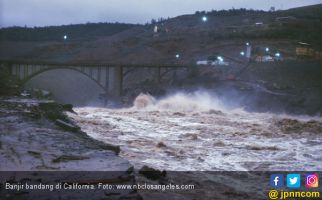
(294, 180)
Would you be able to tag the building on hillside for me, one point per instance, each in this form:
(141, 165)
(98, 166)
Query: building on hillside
(265, 54)
(155, 30)
(213, 61)
(264, 58)
(307, 51)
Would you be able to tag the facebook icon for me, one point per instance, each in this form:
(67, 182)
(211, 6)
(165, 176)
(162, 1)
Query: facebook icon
(277, 180)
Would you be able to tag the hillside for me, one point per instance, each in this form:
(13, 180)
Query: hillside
(224, 33)
(56, 33)
(314, 11)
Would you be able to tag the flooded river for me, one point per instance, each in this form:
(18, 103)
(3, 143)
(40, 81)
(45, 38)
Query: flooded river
(197, 132)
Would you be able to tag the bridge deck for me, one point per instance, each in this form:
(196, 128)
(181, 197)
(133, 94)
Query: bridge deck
(89, 64)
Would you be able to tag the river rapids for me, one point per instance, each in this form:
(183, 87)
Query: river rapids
(198, 132)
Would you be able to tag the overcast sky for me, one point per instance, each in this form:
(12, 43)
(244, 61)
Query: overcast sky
(58, 12)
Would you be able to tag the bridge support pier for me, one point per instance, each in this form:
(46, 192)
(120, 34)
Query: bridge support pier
(158, 74)
(6, 66)
(115, 86)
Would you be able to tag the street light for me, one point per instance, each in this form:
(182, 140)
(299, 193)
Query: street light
(277, 54)
(242, 53)
(267, 49)
(177, 56)
(65, 37)
(247, 43)
(204, 19)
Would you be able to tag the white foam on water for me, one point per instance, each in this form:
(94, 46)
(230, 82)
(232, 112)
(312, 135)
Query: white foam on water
(197, 131)
(180, 102)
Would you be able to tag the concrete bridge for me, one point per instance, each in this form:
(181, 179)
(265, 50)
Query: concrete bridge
(108, 76)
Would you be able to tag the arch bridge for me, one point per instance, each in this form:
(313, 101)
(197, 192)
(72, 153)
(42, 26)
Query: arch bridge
(108, 76)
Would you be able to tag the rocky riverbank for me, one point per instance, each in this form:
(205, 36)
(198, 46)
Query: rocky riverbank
(36, 135)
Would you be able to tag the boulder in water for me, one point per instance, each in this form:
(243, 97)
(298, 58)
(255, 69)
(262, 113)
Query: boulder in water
(152, 174)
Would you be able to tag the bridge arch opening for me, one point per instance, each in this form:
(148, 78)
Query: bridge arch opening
(67, 85)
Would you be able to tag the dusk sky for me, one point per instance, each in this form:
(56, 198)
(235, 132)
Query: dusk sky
(58, 12)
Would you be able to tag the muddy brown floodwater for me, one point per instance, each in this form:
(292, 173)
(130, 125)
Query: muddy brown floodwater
(196, 132)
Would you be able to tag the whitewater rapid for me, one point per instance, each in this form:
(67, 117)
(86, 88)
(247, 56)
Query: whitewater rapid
(197, 132)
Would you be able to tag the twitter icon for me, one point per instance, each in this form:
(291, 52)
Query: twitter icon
(293, 180)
